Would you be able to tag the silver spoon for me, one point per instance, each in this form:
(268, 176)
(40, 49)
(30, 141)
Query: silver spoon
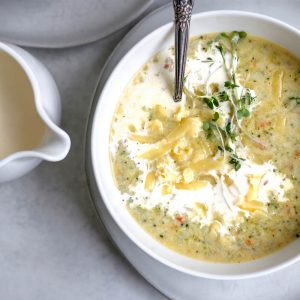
(183, 12)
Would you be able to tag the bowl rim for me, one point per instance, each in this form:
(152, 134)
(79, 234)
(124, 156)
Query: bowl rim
(132, 237)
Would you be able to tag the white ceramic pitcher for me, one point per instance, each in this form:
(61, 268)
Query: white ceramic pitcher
(55, 144)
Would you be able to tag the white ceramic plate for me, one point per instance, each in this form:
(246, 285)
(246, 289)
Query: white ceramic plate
(161, 276)
(57, 23)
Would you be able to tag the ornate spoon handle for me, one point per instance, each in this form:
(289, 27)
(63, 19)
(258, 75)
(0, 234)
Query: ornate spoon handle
(183, 11)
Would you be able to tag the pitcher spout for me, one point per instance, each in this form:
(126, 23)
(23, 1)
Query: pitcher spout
(55, 146)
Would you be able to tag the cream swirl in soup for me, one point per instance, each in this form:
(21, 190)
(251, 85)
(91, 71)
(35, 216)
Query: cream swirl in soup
(215, 176)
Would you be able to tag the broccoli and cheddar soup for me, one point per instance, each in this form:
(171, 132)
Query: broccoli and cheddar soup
(215, 176)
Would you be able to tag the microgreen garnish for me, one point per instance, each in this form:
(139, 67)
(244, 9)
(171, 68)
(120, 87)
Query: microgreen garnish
(234, 37)
(242, 34)
(243, 112)
(206, 125)
(230, 133)
(228, 128)
(222, 52)
(208, 59)
(236, 163)
(185, 78)
(223, 34)
(216, 117)
(297, 99)
(223, 96)
(212, 129)
(228, 148)
(240, 100)
(221, 49)
(234, 159)
(247, 99)
(230, 85)
(211, 102)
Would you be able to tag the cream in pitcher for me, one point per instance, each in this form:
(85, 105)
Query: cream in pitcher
(21, 128)
(30, 110)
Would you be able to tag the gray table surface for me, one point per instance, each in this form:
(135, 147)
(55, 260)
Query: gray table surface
(51, 245)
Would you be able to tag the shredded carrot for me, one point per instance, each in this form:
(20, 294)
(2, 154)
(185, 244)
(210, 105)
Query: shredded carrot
(263, 124)
(297, 153)
(261, 146)
(288, 210)
(248, 242)
(180, 219)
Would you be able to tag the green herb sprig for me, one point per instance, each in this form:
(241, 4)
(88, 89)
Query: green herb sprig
(239, 105)
(236, 163)
(211, 102)
(295, 98)
(230, 85)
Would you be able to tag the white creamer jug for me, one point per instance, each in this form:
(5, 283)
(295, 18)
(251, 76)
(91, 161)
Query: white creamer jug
(30, 112)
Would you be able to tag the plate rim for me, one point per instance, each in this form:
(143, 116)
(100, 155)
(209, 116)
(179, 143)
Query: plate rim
(85, 40)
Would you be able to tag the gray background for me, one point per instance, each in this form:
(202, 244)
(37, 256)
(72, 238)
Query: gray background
(51, 246)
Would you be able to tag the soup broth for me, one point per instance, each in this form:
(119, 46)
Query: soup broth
(216, 176)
